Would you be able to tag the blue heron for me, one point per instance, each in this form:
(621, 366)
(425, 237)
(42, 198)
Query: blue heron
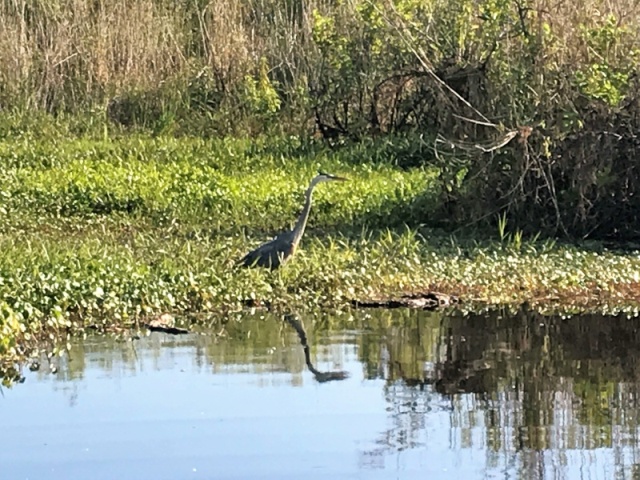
(276, 252)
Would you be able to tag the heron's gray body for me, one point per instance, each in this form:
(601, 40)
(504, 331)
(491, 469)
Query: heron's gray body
(271, 254)
(276, 252)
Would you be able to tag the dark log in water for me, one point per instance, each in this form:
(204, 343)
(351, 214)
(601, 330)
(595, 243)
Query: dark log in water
(165, 323)
(422, 301)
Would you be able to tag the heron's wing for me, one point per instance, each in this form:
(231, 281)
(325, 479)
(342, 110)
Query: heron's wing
(251, 257)
(270, 254)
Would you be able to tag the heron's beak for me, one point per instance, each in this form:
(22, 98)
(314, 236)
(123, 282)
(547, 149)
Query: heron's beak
(335, 177)
(332, 177)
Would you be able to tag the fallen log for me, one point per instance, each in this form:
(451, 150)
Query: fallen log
(422, 301)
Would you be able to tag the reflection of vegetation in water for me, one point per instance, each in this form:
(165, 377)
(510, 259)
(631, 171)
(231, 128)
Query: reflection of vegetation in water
(525, 381)
(506, 383)
(260, 344)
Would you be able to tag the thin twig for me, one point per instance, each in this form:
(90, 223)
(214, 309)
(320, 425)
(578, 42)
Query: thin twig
(471, 120)
(57, 64)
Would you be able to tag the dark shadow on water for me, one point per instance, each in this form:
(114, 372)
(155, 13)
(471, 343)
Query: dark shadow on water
(321, 377)
(476, 351)
(529, 388)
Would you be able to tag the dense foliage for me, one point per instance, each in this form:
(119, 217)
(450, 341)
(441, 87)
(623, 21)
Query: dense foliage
(104, 233)
(527, 107)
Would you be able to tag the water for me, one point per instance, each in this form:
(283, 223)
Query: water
(426, 396)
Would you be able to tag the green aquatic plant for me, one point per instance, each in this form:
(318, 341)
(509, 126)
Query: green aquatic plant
(104, 234)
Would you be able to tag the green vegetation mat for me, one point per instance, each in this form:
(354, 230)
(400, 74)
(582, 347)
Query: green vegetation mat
(106, 232)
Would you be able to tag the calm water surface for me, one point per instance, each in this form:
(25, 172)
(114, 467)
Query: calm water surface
(426, 396)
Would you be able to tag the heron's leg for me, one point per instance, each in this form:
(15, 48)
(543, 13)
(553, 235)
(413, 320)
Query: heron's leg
(279, 282)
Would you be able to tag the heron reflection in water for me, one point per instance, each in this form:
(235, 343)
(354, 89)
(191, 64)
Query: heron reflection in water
(276, 252)
(302, 335)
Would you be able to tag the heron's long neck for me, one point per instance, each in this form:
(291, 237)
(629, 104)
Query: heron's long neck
(298, 230)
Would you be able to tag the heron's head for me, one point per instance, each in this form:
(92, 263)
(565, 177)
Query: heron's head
(327, 177)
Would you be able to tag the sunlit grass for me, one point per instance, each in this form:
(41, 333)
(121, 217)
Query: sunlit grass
(225, 185)
(108, 232)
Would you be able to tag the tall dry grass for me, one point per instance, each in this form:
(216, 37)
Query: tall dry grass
(65, 53)
(72, 52)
